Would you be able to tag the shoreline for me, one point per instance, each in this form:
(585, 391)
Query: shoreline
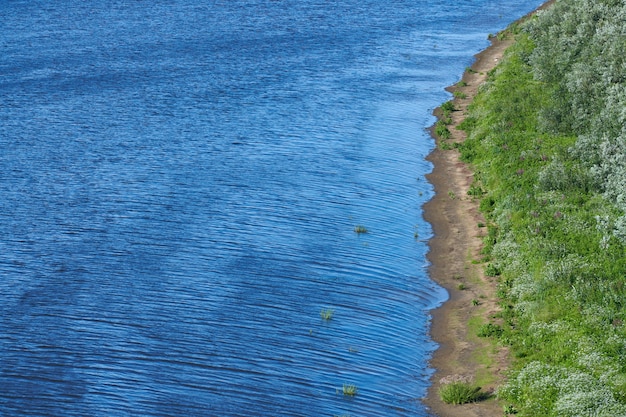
(454, 256)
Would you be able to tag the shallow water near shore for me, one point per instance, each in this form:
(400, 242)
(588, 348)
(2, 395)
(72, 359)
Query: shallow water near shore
(179, 187)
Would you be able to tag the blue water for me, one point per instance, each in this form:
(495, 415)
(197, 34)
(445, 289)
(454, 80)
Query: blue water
(179, 186)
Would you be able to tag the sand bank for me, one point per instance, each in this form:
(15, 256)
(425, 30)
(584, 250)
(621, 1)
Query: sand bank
(454, 252)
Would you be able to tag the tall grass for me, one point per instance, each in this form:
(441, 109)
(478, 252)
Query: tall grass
(459, 390)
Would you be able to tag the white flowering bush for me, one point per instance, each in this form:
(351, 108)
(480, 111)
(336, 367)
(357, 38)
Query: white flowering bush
(534, 389)
(591, 403)
(543, 390)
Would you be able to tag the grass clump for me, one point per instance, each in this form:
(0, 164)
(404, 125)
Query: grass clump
(475, 191)
(490, 330)
(459, 94)
(491, 270)
(327, 314)
(458, 390)
(442, 131)
(360, 229)
(350, 390)
(447, 107)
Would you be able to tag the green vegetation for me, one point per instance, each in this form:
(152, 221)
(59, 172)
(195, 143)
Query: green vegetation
(360, 229)
(490, 330)
(441, 127)
(350, 390)
(547, 141)
(447, 108)
(459, 390)
(327, 314)
(459, 94)
(441, 130)
(475, 191)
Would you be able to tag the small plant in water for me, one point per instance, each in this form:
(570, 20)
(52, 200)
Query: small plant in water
(360, 229)
(327, 313)
(350, 390)
(458, 389)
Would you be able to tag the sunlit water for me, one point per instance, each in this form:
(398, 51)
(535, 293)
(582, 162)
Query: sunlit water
(179, 186)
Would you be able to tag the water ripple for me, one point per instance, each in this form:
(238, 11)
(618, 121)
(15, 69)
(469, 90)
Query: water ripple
(179, 188)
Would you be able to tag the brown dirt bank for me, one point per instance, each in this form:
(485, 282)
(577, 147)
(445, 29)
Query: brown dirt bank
(456, 243)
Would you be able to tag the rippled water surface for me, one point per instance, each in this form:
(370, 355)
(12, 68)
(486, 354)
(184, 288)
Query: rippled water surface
(179, 186)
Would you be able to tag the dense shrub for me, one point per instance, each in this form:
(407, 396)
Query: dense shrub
(580, 55)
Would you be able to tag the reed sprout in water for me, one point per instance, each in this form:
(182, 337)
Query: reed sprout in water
(350, 390)
(327, 314)
(360, 229)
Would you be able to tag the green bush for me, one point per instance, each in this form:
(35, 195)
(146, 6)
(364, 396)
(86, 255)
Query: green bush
(441, 130)
(491, 270)
(487, 204)
(447, 107)
(490, 330)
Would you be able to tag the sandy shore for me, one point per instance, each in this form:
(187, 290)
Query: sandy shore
(457, 242)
